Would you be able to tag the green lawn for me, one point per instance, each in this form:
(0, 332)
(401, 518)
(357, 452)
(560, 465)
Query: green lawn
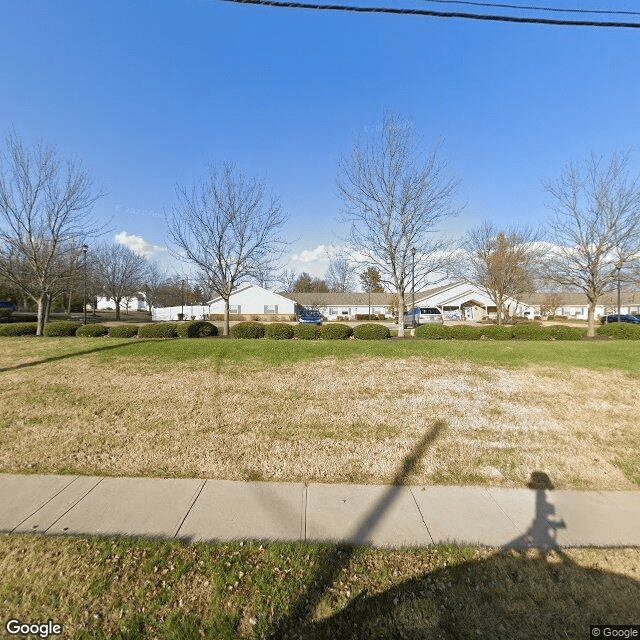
(132, 589)
(620, 355)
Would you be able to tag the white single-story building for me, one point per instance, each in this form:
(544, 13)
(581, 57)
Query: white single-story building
(459, 300)
(249, 300)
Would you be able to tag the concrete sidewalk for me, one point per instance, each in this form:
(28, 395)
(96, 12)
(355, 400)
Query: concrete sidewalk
(383, 516)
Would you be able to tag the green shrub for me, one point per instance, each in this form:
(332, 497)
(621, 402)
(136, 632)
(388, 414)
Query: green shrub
(159, 330)
(336, 331)
(197, 329)
(247, 330)
(620, 330)
(92, 331)
(306, 331)
(123, 331)
(61, 328)
(19, 329)
(433, 332)
(465, 332)
(279, 331)
(562, 332)
(371, 331)
(529, 332)
(495, 332)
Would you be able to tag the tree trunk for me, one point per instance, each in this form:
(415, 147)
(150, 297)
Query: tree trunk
(117, 301)
(499, 310)
(47, 308)
(41, 314)
(400, 315)
(591, 319)
(69, 304)
(225, 329)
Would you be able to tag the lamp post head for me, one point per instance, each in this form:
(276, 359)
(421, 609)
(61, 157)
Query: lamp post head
(84, 249)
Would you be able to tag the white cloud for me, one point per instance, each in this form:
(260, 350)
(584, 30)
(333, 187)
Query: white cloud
(309, 256)
(139, 245)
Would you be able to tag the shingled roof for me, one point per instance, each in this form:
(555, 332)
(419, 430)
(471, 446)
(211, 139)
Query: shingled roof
(354, 299)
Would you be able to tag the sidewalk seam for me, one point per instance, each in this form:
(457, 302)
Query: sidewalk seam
(197, 495)
(426, 526)
(506, 515)
(78, 501)
(42, 506)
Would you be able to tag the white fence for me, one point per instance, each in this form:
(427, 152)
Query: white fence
(191, 312)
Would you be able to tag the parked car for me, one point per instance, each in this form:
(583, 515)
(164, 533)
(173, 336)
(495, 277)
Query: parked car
(423, 315)
(8, 305)
(310, 317)
(623, 318)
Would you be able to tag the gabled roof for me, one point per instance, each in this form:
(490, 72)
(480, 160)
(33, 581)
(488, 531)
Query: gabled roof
(250, 286)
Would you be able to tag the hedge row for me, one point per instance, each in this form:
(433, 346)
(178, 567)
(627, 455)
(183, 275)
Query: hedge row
(19, 329)
(334, 331)
(494, 332)
(621, 330)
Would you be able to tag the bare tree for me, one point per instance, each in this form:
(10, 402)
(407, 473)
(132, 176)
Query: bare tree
(550, 303)
(395, 196)
(227, 226)
(45, 207)
(287, 280)
(594, 227)
(153, 283)
(123, 273)
(341, 274)
(503, 263)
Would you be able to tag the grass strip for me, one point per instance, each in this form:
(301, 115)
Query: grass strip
(594, 356)
(134, 589)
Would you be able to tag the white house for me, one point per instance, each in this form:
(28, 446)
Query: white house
(248, 300)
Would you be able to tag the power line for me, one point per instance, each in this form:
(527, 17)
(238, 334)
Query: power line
(530, 8)
(439, 14)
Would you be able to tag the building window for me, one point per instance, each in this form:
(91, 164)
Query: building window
(234, 308)
(270, 308)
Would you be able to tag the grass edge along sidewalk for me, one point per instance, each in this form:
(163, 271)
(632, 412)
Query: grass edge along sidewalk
(130, 588)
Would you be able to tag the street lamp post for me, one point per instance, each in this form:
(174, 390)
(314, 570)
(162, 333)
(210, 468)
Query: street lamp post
(413, 288)
(618, 267)
(182, 297)
(85, 248)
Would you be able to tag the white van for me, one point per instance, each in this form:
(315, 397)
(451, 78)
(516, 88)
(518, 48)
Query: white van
(423, 315)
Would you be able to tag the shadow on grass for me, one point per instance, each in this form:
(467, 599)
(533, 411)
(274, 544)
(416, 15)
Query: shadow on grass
(528, 589)
(26, 365)
(338, 558)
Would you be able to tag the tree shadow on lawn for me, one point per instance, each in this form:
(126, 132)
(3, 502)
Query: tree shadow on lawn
(35, 363)
(528, 589)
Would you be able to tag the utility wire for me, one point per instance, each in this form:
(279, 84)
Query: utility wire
(438, 14)
(529, 8)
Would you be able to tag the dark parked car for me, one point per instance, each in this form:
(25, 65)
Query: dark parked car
(8, 305)
(310, 317)
(623, 318)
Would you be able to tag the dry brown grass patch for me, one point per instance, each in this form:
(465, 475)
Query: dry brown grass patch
(333, 420)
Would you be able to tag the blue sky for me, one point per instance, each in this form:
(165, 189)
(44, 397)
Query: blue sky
(147, 93)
